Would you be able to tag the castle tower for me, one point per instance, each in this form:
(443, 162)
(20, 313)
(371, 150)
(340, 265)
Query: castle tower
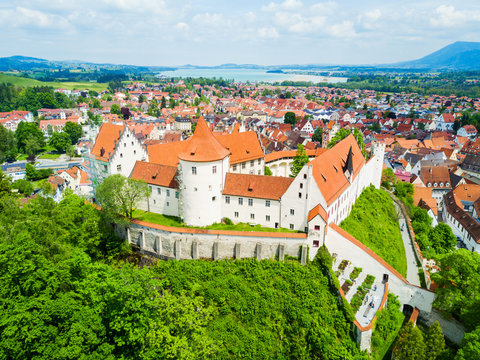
(378, 152)
(203, 168)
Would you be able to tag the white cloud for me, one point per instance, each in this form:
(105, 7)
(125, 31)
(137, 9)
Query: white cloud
(25, 17)
(298, 23)
(325, 7)
(448, 16)
(140, 6)
(371, 19)
(286, 5)
(211, 20)
(181, 26)
(268, 33)
(344, 29)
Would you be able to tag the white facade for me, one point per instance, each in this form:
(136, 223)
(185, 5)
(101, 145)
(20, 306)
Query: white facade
(127, 151)
(254, 167)
(162, 200)
(243, 209)
(201, 190)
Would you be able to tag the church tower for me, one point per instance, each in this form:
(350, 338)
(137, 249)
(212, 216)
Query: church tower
(202, 171)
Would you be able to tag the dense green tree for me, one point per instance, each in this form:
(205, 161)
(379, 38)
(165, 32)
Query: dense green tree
(60, 141)
(115, 109)
(268, 172)
(299, 161)
(29, 132)
(442, 238)
(95, 103)
(458, 292)
(115, 85)
(409, 344)
(290, 118)
(375, 127)
(339, 136)
(8, 145)
(317, 135)
(434, 341)
(388, 178)
(142, 98)
(153, 109)
(470, 346)
(120, 195)
(23, 186)
(74, 131)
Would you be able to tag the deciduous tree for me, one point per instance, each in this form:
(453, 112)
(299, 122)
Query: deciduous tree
(299, 161)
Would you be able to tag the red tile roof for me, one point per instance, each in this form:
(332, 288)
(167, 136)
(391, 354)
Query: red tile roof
(203, 146)
(155, 174)
(256, 186)
(327, 168)
(105, 141)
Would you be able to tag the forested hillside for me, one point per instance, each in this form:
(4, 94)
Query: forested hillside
(65, 294)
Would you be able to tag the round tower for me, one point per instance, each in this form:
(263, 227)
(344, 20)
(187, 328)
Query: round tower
(203, 167)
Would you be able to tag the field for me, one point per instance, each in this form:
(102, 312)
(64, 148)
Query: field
(373, 221)
(21, 81)
(175, 222)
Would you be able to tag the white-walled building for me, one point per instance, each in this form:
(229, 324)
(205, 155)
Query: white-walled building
(202, 188)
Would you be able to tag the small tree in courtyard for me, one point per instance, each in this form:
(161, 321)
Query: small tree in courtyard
(120, 195)
(299, 161)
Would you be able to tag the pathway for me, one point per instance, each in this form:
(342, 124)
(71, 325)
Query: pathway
(412, 268)
(452, 329)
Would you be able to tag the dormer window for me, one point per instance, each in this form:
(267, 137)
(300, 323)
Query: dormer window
(435, 185)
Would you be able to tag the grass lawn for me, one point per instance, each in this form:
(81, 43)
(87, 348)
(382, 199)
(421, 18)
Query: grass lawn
(373, 221)
(175, 222)
(49, 156)
(21, 81)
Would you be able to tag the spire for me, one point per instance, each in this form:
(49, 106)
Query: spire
(203, 146)
(348, 167)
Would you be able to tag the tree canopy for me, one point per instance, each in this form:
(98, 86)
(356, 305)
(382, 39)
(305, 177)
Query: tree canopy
(120, 195)
(290, 118)
(299, 161)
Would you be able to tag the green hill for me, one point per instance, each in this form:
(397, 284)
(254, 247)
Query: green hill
(65, 295)
(22, 81)
(373, 222)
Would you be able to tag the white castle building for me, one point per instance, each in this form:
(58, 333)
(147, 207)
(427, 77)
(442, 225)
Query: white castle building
(211, 177)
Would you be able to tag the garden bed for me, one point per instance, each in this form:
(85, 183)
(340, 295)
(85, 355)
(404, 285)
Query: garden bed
(354, 274)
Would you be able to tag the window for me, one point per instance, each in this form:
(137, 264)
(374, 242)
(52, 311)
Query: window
(124, 144)
(214, 198)
(243, 165)
(132, 143)
(119, 168)
(304, 176)
(316, 243)
(134, 152)
(435, 185)
(227, 199)
(441, 184)
(267, 217)
(194, 189)
(317, 227)
(149, 188)
(252, 216)
(154, 202)
(121, 155)
(267, 203)
(301, 185)
(168, 192)
(251, 172)
(429, 184)
(252, 162)
(291, 226)
(259, 172)
(159, 191)
(236, 214)
(177, 194)
(259, 161)
(299, 195)
(240, 201)
(234, 167)
(214, 169)
(209, 187)
(194, 170)
(105, 168)
(250, 202)
(168, 204)
(292, 212)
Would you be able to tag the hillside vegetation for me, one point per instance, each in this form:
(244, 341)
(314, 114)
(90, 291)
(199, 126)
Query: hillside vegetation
(66, 295)
(373, 221)
(22, 81)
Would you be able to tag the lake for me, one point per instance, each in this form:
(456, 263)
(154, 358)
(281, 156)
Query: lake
(252, 75)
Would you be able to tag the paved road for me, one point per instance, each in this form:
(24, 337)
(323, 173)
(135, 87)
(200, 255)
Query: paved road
(412, 269)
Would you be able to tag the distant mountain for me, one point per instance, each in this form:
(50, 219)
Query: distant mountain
(461, 55)
(23, 63)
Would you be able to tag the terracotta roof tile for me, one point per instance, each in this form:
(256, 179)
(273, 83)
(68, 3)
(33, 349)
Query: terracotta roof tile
(243, 146)
(256, 186)
(155, 174)
(105, 141)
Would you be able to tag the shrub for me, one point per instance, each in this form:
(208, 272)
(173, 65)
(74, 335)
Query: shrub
(354, 274)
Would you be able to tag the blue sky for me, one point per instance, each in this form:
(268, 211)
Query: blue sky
(211, 32)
